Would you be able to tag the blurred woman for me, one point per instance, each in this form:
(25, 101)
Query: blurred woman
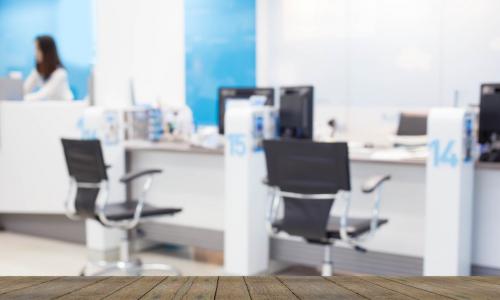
(49, 80)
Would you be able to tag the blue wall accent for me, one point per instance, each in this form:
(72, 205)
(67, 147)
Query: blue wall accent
(69, 21)
(220, 51)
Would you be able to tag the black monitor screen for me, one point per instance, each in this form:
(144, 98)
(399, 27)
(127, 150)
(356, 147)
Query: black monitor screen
(240, 94)
(296, 112)
(489, 114)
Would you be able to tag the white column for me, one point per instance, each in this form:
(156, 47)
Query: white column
(143, 41)
(449, 195)
(246, 240)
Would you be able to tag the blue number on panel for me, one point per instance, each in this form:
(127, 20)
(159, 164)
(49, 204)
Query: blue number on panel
(443, 157)
(237, 144)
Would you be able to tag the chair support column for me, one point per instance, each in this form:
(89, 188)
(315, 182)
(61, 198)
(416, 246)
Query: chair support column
(125, 248)
(327, 267)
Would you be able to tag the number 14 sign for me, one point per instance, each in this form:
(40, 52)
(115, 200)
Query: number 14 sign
(444, 153)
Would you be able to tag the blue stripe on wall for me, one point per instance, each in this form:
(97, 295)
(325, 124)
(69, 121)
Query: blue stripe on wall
(69, 21)
(220, 51)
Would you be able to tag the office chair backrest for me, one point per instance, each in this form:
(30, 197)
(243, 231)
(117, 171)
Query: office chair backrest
(412, 124)
(85, 163)
(85, 160)
(307, 167)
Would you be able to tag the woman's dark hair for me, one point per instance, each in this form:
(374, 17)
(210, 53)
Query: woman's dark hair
(50, 58)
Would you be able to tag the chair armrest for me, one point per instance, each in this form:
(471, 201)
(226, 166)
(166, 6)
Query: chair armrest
(265, 181)
(134, 175)
(373, 183)
(275, 201)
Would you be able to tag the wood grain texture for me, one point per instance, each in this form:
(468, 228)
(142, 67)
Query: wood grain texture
(52, 289)
(454, 287)
(167, 289)
(268, 288)
(101, 289)
(366, 289)
(283, 287)
(136, 289)
(490, 279)
(201, 288)
(404, 289)
(232, 288)
(317, 288)
(9, 284)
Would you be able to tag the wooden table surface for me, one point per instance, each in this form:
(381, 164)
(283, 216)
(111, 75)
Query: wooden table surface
(338, 287)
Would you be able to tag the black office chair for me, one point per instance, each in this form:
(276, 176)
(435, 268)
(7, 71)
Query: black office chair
(88, 199)
(308, 177)
(412, 124)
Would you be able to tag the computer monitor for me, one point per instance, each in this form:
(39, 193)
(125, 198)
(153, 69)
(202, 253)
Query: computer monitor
(296, 112)
(11, 89)
(244, 93)
(412, 124)
(489, 113)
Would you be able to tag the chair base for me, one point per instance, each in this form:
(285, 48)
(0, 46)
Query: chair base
(128, 268)
(126, 264)
(327, 269)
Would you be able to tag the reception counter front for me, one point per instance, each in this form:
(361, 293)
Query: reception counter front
(194, 180)
(33, 175)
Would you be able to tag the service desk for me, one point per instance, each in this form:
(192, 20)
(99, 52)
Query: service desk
(194, 179)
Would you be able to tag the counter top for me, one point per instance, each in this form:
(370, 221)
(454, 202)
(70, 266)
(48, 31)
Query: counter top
(487, 165)
(170, 147)
(183, 147)
(355, 156)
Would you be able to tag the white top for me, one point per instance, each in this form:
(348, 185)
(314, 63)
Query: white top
(54, 88)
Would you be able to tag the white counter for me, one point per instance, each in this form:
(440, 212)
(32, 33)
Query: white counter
(195, 181)
(33, 174)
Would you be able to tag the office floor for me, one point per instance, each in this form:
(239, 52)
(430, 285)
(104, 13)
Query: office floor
(23, 255)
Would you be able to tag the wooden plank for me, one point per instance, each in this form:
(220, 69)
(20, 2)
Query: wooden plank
(404, 289)
(52, 289)
(232, 288)
(366, 289)
(453, 287)
(489, 279)
(317, 288)
(167, 289)
(200, 288)
(268, 288)
(185, 288)
(101, 289)
(9, 284)
(136, 289)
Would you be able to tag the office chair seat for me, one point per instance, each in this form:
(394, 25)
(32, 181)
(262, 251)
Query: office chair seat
(355, 228)
(124, 211)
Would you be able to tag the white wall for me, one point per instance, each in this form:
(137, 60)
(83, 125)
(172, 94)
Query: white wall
(471, 47)
(380, 54)
(141, 40)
